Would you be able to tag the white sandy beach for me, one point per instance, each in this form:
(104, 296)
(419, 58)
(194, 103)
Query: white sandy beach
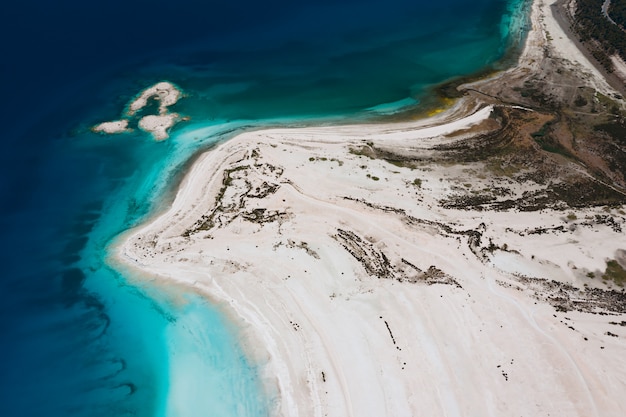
(361, 294)
(556, 37)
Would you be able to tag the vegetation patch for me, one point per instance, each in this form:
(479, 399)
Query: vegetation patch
(372, 152)
(586, 193)
(614, 272)
(617, 130)
(580, 101)
(324, 159)
(601, 36)
(503, 168)
(545, 129)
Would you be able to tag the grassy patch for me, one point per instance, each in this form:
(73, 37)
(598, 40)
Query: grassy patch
(549, 143)
(363, 151)
(545, 129)
(368, 150)
(323, 159)
(585, 193)
(580, 101)
(502, 168)
(616, 130)
(614, 272)
(607, 102)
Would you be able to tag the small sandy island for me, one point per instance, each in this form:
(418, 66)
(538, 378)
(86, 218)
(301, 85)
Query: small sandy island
(452, 266)
(116, 126)
(158, 125)
(166, 93)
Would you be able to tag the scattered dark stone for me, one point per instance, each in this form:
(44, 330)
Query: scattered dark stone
(390, 333)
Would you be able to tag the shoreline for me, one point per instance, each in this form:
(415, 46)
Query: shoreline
(564, 21)
(354, 267)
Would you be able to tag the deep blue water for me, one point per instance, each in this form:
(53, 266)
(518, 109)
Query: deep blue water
(76, 337)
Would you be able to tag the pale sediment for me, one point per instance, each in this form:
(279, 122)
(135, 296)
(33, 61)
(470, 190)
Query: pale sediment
(362, 292)
(393, 270)
(620, 67)
(117, 126)
(158, 125)
(166, 93)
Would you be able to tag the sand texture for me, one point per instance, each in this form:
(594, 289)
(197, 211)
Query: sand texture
(410, 269)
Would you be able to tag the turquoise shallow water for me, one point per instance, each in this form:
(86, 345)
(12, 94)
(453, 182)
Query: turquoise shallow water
(81, 339)
(185, 357)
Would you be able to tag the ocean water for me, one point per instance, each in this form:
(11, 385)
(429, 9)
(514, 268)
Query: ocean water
(79, 338)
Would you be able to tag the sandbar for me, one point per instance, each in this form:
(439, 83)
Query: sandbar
(116, 126)
(158, 125)
(165, 92)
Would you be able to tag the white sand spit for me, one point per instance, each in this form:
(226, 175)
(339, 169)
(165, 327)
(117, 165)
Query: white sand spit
(362, 296)
(361, 292)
